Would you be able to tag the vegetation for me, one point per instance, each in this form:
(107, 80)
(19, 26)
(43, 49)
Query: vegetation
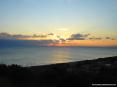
(73, 74)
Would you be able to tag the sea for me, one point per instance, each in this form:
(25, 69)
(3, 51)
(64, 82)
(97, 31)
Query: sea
(31, 56)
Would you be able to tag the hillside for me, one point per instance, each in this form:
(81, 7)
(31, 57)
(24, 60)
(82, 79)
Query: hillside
(73, 74)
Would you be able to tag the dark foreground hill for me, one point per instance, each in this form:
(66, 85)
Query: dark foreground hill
(73, 74)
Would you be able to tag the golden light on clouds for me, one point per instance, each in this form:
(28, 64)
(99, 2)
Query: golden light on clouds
(58, 39)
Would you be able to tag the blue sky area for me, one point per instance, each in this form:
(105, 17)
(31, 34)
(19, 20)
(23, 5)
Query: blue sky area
(26, 16)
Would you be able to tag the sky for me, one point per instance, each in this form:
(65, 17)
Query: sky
(68, 22)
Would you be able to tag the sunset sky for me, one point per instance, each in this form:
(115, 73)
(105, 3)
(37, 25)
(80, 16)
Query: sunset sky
(60, 22)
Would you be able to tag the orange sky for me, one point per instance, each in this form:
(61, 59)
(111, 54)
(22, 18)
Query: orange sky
(87, 43)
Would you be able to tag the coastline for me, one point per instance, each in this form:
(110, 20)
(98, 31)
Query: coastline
(79, 73)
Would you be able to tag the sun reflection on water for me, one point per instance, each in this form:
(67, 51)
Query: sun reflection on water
(61, 56)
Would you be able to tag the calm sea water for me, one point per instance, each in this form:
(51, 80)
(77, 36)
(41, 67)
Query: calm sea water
(49, 55)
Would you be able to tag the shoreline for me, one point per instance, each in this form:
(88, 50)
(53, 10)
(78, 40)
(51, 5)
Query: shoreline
(80, 73)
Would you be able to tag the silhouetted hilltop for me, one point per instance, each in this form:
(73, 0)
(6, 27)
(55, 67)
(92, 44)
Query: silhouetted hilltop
(73, 74)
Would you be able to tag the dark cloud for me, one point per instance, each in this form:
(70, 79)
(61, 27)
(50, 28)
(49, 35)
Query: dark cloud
(99, 38)
(95, 38)
(109, 38)
(61, 39)
(5, 35)
(113, 39)
(20, 36)
(7, 39)
(78, 36)
(12, 43)
(46, 42)
(51, 34)
(39, 36)
(17, 36)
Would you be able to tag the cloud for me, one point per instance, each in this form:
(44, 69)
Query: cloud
(39, 36)
(20, 43)
(17, 36)
(51, 34)
(78, 36)
(50, 39)
(5, 35)
(99, 38)
(46, 42)
(95, 38)
(61, 39)
(109, 38)
(20, 40)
